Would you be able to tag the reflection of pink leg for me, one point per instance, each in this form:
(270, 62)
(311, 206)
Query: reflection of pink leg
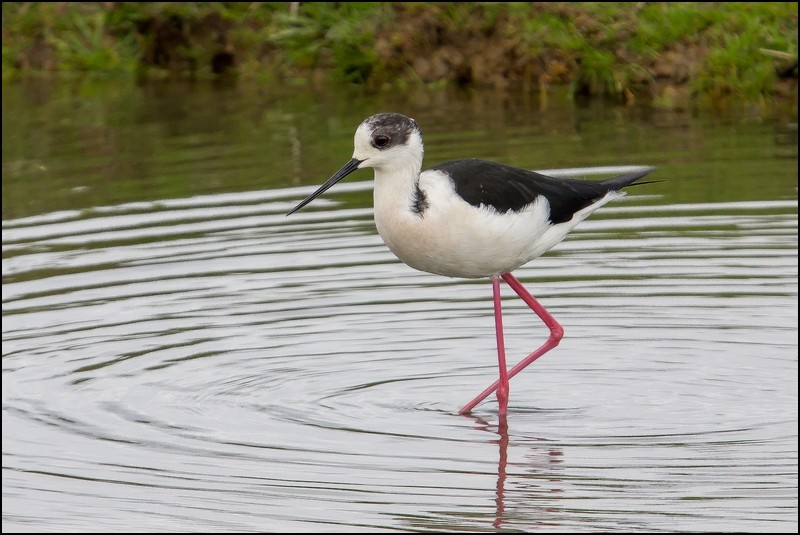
(556, 333)
(502, 430)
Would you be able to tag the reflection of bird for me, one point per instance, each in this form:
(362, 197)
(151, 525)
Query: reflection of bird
(470, 218)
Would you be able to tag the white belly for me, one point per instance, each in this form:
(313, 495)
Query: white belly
(468, 251)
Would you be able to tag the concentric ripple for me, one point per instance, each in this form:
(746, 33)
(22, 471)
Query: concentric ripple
(208, 364)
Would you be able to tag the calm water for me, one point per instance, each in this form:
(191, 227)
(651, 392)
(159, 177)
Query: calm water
(180, 356)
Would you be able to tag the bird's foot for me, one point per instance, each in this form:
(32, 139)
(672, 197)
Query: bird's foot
(502, 399)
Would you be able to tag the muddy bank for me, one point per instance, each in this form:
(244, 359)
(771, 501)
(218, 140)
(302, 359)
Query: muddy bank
(597, 57)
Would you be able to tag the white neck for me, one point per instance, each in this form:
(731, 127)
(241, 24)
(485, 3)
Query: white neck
(395, 187)
(395, 190)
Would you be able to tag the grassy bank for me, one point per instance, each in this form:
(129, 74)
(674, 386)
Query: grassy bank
(672, 53)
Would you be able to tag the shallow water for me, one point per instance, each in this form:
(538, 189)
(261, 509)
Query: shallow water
(198, 361)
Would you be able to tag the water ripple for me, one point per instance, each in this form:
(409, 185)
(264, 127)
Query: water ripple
(208, 362)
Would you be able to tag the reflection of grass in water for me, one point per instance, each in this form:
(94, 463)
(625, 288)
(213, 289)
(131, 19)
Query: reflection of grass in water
(100, 142)
(607, 48)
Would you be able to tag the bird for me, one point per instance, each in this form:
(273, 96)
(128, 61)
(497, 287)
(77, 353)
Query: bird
(470, 218)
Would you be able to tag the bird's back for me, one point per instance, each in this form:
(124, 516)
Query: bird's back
(506, 188)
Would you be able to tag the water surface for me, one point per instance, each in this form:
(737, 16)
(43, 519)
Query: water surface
(180, 356)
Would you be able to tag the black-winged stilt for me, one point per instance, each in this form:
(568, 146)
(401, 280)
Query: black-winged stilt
(470, 218)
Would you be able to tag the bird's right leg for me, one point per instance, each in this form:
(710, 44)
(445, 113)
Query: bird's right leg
(502, 388)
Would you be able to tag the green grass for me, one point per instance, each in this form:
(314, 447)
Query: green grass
(596, 48)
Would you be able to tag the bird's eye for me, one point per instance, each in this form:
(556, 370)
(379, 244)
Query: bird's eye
(380, 141)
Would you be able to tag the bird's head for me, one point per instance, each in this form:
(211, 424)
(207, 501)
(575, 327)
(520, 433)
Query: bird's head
(384, 140)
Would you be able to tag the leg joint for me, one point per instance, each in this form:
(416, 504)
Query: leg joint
(556, 333)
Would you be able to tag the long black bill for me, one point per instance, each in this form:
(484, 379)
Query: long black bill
(346, 169)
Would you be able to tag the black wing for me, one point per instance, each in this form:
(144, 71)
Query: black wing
(507, 188)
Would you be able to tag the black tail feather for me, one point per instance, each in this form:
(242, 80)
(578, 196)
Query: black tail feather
(619, 182)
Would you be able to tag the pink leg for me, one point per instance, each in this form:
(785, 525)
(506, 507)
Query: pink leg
(556, 334)
(502, 389)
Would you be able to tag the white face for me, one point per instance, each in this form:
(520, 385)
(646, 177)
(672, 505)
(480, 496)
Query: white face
(388, 142)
